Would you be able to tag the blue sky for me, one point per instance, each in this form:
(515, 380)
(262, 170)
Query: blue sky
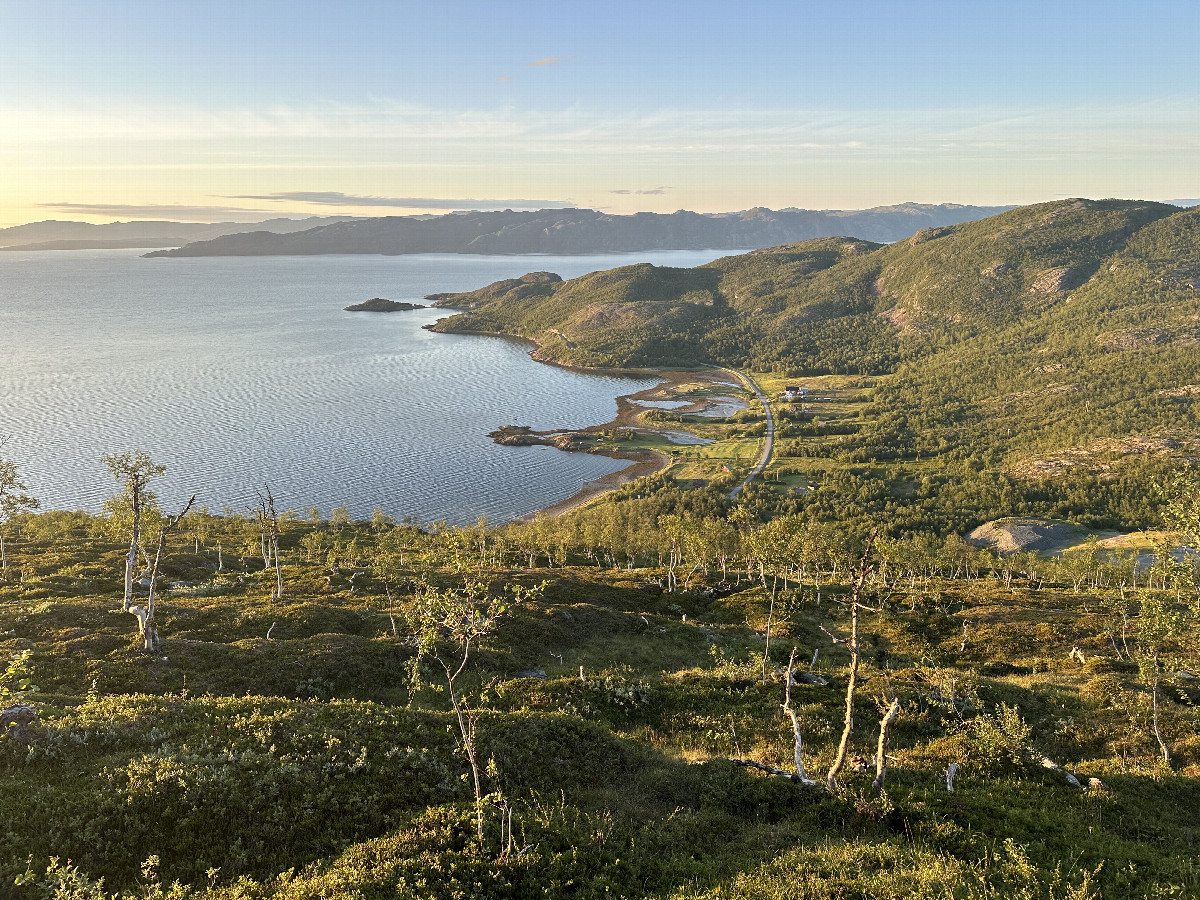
(243, 110)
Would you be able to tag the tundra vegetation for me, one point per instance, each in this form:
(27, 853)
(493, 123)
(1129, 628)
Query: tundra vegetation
(541, 710)
(826, 688)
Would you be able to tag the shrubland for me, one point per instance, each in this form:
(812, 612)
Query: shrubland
(306, 745)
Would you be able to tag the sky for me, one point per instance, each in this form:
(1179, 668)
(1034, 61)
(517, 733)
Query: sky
(214, 110)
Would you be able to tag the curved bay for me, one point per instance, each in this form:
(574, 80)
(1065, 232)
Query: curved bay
(243, 372)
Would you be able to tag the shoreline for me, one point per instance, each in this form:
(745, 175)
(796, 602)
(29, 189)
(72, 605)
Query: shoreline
(642, 462)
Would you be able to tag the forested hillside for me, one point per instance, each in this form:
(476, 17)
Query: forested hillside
(1043, 361)
(772, 309)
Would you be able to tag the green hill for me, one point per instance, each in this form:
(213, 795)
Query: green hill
(1056, 341)
(804, 307)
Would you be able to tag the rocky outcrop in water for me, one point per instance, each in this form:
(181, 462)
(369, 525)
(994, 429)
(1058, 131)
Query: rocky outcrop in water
(378, 304)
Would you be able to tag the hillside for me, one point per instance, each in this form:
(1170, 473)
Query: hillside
(626, 723)
(945, 646)
(576, 231)
(1045, 361)
(750, 310)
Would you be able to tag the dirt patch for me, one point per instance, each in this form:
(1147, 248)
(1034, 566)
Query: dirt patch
(1098, 457)
(1183, 392)
(1057, 281)
(1050, 390)
(996, 270)
(898, 316)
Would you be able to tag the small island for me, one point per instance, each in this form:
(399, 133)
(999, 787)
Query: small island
(378, 304)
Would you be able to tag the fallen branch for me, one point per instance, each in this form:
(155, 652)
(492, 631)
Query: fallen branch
(801, 775)
(771, 770)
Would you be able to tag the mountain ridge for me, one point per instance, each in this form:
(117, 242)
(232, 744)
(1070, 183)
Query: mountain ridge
(57, 234)
(1055, 340)
(581, 231)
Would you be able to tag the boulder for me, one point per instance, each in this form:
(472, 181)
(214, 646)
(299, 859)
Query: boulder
(16, 722)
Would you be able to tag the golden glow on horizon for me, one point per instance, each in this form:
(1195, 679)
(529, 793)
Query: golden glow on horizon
(141, 162)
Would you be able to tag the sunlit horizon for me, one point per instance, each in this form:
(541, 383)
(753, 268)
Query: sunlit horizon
(244, 112)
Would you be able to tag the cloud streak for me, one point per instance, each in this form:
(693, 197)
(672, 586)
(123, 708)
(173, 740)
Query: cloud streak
(477, 132)
(547, 61)
(337, 198)
(648, 192)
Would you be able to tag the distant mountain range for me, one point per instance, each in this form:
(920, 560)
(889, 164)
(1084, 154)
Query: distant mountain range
(575, 231)
(55, 235)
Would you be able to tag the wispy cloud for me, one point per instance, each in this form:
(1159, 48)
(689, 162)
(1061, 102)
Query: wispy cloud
(337, 198)
(647, 192)
(504, 78)
(241, 132)
(150, 211)
(547, 61)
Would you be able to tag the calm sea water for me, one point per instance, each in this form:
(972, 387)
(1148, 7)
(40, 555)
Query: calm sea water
(245, 372)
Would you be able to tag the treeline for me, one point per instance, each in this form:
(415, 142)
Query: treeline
(688, 541)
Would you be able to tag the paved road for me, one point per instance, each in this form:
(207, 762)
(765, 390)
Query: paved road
(768, 444)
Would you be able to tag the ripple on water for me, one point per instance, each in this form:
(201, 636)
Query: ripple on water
(237, 373)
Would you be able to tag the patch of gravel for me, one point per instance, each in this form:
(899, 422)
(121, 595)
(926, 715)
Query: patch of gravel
(1023, 535)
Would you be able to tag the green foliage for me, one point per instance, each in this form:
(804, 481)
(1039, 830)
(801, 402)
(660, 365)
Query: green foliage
(998, 742)
(14, 498)
(16, 681)
(613, 782)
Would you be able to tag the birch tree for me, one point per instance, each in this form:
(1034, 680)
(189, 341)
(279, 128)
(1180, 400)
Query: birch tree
(268, 520)
(1159, 625)
(145, 614)
(855, 648)
(13, 501)
(132, 469)
(449, 626)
